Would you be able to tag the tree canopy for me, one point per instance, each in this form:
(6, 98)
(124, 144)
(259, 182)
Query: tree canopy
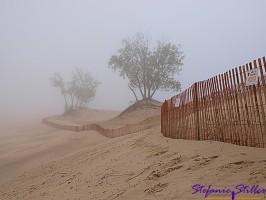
(148, 68)
(79, 91)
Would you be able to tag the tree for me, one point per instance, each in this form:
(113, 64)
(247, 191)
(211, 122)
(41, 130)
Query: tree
(148, 69)
(78, 92)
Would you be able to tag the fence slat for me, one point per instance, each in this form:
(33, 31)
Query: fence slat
(221, 108)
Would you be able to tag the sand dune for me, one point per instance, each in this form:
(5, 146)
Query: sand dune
(44, 163)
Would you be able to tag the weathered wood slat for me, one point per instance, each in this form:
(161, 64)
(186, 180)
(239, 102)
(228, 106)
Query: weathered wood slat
(221, 108)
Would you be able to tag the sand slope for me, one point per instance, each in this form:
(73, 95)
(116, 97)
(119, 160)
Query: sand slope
(142, 165)
(23, 149)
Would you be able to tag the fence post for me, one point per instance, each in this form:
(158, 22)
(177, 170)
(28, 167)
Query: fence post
(162, 118)
(196, 111)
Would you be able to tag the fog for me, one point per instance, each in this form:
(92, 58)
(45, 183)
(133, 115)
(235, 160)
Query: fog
(38, 38)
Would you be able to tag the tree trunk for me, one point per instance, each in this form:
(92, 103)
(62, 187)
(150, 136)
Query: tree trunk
(72, 102)
(136, 97)
(144, 83)
(141, 92)
(66, 104)
(149, 93)
(137, 85)
(153, 92)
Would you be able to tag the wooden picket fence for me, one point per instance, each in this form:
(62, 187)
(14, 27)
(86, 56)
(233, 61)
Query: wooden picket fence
(221, 108)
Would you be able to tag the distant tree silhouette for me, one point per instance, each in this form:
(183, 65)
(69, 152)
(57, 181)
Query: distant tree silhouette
(79, 91)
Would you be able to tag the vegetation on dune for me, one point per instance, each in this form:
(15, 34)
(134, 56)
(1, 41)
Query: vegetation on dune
(148, 68)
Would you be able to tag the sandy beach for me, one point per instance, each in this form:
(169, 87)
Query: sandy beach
(40, 162)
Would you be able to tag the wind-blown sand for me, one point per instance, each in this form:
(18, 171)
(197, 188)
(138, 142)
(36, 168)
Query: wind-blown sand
(40, 162)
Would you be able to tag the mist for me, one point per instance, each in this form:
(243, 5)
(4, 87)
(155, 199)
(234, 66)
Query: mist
(39, 38)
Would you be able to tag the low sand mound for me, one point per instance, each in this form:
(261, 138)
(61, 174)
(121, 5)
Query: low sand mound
(85, 116)
(140, 105)
(135, 113)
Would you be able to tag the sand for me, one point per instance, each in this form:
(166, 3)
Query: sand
(39, 162)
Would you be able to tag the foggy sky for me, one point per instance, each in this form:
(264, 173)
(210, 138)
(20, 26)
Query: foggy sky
(38, 38)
